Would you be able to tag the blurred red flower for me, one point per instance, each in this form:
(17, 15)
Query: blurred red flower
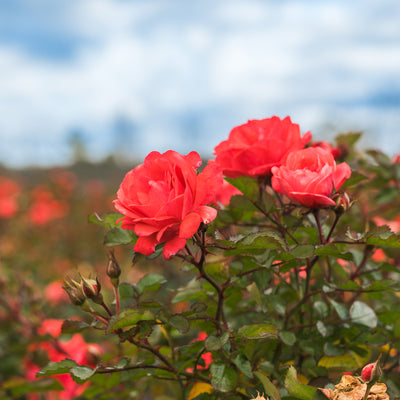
(9, 191)
(45, 207)
(56, 350)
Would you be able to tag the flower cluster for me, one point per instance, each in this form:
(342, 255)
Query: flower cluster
(165, 200)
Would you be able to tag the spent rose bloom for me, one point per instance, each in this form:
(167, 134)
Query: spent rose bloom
(310, 177)
(164, 200)
(252, 149)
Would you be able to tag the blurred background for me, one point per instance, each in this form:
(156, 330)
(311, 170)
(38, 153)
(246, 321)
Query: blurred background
(83, 79)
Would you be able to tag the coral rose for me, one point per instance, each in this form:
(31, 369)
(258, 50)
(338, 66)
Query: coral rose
(254, 148)
(310, 177)
(164, 200)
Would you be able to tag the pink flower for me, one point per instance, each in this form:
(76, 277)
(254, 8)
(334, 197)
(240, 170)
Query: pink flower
(254, 148)
(310, 177)
(164, 200)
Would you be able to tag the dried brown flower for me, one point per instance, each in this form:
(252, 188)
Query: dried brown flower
(351, 388)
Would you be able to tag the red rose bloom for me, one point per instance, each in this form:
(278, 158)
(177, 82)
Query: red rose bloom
(254, 148)
(164, 200)
(309, 177)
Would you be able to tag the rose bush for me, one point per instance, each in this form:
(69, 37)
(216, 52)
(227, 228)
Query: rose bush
(252, 149)
(164, 200)
(263, 297)
(310, 177)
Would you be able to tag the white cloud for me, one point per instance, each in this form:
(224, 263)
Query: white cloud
(223, 64)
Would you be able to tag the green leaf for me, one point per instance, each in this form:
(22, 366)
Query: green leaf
(71, 326)
(349, 138)
(255, 293)
(257, 331)
(81, 373)
(353, 180)
(214, 343)
(300, 391)
(118, 236)
(248, 186)
(332, 250)
(57, 368)
(257, 243)
(128, 318)
(302, 251)
(340, 309)
(362, 314)
(342, 363)
(270, 389)
(223, 377)
(243, 365)
(107, 221)
(150, 281)
(391, 241)
(321, 308)
(288, 338)
(179, 322)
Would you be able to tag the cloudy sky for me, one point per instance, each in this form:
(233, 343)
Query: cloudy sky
(141, 75)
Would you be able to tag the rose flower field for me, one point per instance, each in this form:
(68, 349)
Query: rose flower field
(271, 271)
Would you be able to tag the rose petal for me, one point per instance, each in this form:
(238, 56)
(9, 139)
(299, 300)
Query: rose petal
(189, 225)
(173, 246)
(343, 172)
(207, 214)
(311, 200)
(145, 245)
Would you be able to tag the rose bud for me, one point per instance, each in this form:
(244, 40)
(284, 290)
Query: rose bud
(371, 372)
(113, 269)
(74, 292)
(91, 289)
(343, 202)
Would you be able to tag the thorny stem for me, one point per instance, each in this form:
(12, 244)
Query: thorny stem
(104, 305)
(186, 375)
(282, 229)
(98, 317)
(368, 249)
(164, 360)
(219, 316)
(318, 221)
(337, 217)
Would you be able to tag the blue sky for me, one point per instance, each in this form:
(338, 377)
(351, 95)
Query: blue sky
(136, 76)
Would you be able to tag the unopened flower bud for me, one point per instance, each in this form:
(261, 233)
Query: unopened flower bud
(74, 292)
(93, 354)
(91, 289)
(113, 269)
(343, 202)
(371, 372)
